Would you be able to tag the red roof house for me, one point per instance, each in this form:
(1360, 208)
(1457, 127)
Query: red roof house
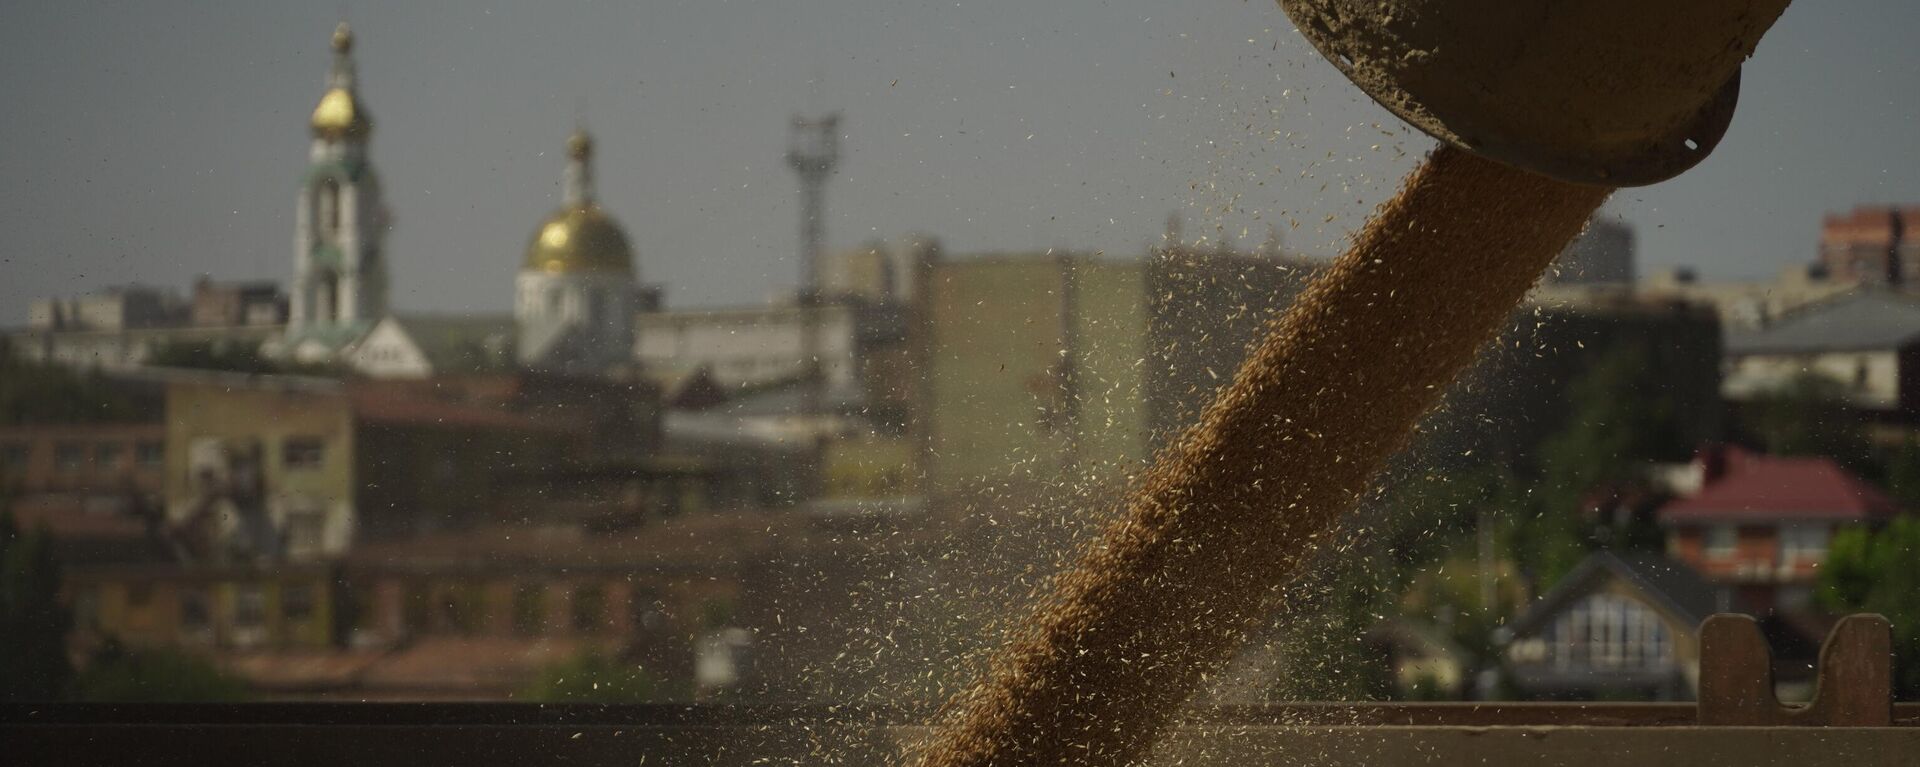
(1763, 522)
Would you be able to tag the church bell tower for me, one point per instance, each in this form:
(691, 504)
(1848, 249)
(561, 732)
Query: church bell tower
(340, 273)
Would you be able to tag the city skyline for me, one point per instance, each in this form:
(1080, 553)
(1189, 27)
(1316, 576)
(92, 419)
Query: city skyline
(177, 152)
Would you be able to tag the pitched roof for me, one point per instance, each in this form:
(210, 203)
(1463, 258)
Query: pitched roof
(1755, 486)
(1667, 583)
(458, 343)
(1858, 320)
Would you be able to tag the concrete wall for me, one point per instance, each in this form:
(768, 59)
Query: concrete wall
(996, 401)
(1077, 367)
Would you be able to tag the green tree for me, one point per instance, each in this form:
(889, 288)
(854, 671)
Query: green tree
(592, 677)
(119, 674)
(35, 393)
(1903, 473)
(228, 357)
(1879, 571)
(1809, 416)
(33, 622)
(1622, 417)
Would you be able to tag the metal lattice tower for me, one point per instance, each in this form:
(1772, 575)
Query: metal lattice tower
(813, 150)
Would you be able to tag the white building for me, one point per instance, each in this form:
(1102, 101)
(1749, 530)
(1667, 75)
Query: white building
(1867, 342)
(869, 296)
(576, 294)
(745, 346)
(119, 308)
(340, 271)
(427, 345)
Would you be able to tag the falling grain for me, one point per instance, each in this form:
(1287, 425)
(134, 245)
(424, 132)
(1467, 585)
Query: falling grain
(1228, 513)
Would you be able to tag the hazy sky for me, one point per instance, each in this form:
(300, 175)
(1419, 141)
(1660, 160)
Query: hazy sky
(154, 141)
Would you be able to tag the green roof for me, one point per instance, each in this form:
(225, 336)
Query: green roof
(457, 343)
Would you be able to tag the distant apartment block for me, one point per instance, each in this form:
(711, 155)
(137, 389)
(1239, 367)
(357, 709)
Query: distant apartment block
(1867, 342)
(227, 304)
(1872, 244)
(120, 308)
(125, 327)
(1047, 364)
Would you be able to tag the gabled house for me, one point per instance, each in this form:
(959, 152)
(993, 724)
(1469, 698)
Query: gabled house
(1761, 523)
(1618, 625)
(1867, 341)
(421, 346)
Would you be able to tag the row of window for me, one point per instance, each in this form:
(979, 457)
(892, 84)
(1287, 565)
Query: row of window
(463, 609)
(302, 452)
(1797, 543)
(298, 603)
(74, 455)
(69, 456)
(1608, 631)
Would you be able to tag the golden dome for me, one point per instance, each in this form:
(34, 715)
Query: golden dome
(340, 115)
(580, 239)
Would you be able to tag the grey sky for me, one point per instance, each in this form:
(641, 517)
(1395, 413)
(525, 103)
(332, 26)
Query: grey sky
(153, 141)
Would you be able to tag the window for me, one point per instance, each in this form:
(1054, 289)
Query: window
(296, 602)
(149, 453)
(330, 210)
(463, 608)
(302, 453)
(306, 533)
(14, 455)
(590, 609)
(249, 607)
(529, 609)
(196, 614)
(1803, 543)
(1608, 631)
(106, 455)
(69, 456)
(1722, 540)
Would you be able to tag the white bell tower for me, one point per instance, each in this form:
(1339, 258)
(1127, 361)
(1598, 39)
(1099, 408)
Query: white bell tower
(340, 273)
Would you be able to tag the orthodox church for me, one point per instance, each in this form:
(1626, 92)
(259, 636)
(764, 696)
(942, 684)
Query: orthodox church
(339, 286)
(575, 296)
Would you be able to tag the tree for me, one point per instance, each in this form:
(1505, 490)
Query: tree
(591, 677)
(1809, 416)
(228, 357)
(1622, 417)
(33, 622)
(1903, 473)
(119, 674)
(36, 393)
(1879, 571)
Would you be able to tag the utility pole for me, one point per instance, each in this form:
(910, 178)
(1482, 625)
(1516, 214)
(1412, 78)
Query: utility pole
(813, 151)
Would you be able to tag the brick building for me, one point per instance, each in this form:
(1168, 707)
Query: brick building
(1872, 244)
(97, 488)
(1760, 524)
